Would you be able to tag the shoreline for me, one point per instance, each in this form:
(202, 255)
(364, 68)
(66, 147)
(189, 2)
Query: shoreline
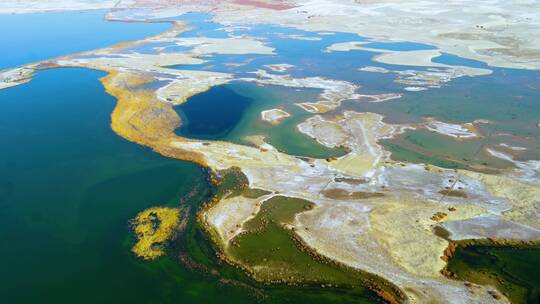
(141, 116)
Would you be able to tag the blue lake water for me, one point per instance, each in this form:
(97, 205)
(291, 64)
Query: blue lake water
(212, 114)
(399, 46)
(310, 59)
(28, 38)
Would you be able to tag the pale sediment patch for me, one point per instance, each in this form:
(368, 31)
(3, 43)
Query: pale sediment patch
(435, 76)
(432, 78)
(359, 132)
(229, 215)
(260, 142)
(513, 148)
(179, 90)
(346, 232)
(522, 196)
(414, 89)
(347, 46)
(233, 45)
(527, 171)
(405, 224)
(232, 29)
(378, 97)
(489, 227)
(279, 67)
(374, 69)
(274, 116)
(327, 133)
(300, 37)
(321, 106)
(16, 76)
(463, 131)
(422, 58)
(334, 91)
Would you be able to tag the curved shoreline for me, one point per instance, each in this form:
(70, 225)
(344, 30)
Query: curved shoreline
(501, 283)
(142, 117)
(384, 289)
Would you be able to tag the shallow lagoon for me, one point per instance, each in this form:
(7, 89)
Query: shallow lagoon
(232, 111)
(508, 98)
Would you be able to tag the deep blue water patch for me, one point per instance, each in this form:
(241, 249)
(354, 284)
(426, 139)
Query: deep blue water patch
(212, 114)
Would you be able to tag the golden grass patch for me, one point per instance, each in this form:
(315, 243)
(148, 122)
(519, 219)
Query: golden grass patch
(153, 227)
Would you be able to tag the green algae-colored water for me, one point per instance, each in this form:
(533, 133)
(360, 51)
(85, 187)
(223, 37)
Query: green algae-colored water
(514, 270)
(69, 187)
(423, 146)
(266, 245)
(507, 99)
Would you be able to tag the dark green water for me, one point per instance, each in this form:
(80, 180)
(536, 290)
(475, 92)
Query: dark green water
(69, 186)
(515, 271)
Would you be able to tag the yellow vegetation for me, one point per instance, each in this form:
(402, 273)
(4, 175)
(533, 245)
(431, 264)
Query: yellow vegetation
(142, 118)
(153, 228)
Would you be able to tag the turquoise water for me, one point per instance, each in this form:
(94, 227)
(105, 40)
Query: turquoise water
(28, 38)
